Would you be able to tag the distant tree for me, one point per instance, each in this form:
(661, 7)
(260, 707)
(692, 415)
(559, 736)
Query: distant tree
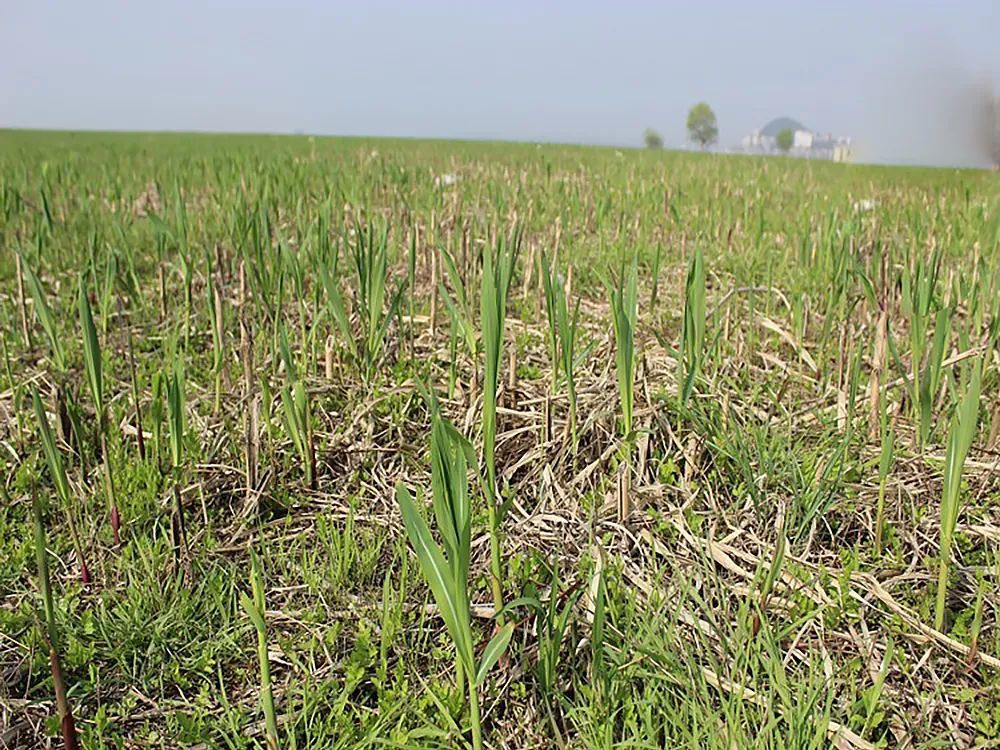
(702, 125)
(785, 139)
(652, 139)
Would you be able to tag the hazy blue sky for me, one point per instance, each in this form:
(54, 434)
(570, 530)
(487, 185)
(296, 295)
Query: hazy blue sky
(891, 73)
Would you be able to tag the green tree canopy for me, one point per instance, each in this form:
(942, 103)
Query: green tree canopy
(785, 139)
(652, 139)
(702, 125)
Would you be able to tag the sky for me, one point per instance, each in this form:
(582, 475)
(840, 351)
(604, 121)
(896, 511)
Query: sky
(899, 76)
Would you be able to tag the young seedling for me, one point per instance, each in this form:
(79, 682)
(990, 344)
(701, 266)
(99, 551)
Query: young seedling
(175, 421)
(217, 316)
(295, 406)
(561, 337)
(960, 437)
(54, 459)
(256, 610)
(57, 358)
(654, 293)
(888, 439)
(446, 569)
(51, 634)
(14, 386)
(461, 317)
(44, 314)
(553, 289)
(370, 256)
(498, 269)
(917, 288)
(693, 333)
(624, 310)
(95, 378)
(298, 415)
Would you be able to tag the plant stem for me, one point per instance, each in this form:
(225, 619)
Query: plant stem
(474, 717)
(496, 567)
(942, 590)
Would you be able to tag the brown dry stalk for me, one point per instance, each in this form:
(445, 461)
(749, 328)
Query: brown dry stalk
(252, 446)
(529, 271)
(994, 429)
(624, 492)
(246, 355)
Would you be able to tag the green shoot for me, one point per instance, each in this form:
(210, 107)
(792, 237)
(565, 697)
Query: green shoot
(175, 421)
(693, 333)
(44, 314)
(960, 437)
(624, 310)
(447, 569)
(256, 609)
(66, 723)
(561, 338)
(93, 365)
(295, 407)
(53, 457)
(498, 269)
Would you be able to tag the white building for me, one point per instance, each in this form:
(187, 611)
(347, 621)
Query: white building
(802, 139)
(805, 143)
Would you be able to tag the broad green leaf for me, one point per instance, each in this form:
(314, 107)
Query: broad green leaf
(251, 609)
(91, 350)
(52, 454)
(494, 650)
(44, 314)
(450, 599)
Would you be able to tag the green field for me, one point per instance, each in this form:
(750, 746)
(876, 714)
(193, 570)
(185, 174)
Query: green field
(315, 443)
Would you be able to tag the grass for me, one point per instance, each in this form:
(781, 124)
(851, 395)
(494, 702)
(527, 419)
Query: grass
(232, 344)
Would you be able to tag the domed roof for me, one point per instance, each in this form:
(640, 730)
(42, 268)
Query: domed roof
(781, 123)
